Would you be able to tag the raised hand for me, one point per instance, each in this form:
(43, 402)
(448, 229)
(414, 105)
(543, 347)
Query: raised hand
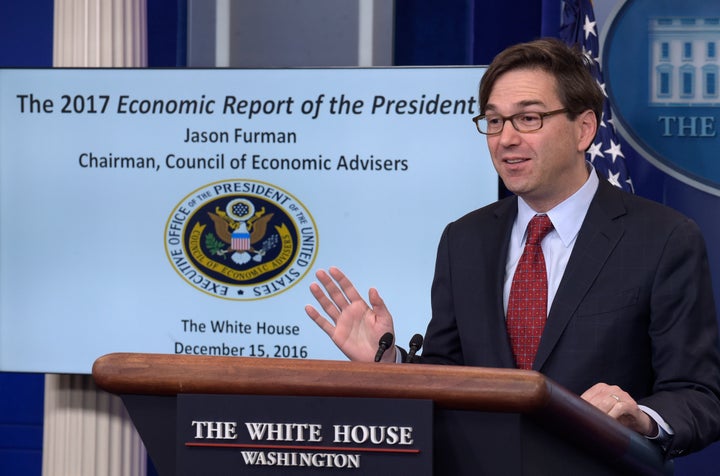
(353, 325)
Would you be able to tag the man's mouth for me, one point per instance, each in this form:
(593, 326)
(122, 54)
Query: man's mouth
(515, 161)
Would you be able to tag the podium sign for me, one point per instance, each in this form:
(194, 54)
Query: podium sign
(275, 435)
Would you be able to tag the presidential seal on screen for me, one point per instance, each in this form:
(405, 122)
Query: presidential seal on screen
(241, 239)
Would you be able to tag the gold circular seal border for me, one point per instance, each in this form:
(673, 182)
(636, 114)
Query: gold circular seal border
(232, 296)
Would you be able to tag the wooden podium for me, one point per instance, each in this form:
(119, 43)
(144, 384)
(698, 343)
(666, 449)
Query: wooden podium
(485, 421)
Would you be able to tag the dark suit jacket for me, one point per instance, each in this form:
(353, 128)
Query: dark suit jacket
(634, 308)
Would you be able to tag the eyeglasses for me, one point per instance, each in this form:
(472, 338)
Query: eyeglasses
(491, 124)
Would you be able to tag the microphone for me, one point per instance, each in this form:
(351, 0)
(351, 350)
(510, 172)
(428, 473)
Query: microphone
(415, 343)
(385, 341)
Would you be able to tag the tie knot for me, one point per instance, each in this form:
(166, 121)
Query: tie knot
(539, 226)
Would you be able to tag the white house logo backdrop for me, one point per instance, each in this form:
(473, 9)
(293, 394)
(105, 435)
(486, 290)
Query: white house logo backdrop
(662, 66)
(241, 239)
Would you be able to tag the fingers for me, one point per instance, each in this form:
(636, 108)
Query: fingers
(327, 304)
(323, 323)
(346, 285)
(618, 404)
(607, 398)
(339, 292)
(335, 295)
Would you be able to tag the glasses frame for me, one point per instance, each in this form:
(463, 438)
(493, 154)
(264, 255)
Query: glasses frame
(543, 115)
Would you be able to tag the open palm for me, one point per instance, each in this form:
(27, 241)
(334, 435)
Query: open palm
(353, 325)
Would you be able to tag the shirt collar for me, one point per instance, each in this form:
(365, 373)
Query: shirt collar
(567, 216)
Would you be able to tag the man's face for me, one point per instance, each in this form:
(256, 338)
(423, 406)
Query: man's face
(545, 166)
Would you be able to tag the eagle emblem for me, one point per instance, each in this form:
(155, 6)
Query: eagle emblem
(237, 231)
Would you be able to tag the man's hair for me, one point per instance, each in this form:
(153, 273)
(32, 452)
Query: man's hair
(576, 87)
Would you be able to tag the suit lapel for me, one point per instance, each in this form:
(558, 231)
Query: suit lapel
(505, 218)
(478, 271)
(598, 236)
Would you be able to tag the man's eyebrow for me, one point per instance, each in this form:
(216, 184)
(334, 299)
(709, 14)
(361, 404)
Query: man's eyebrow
(531, 102)
(521, 104)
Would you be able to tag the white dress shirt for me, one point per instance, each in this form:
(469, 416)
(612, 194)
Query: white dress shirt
(567, 218)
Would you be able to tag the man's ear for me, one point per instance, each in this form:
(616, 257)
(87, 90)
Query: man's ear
(588, 127)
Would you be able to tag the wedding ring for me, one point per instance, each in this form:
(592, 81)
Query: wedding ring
(617, 399)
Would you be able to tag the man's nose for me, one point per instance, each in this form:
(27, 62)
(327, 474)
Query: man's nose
(508, 134)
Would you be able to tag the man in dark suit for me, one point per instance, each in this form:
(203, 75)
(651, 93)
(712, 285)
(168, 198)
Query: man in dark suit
(626, 312)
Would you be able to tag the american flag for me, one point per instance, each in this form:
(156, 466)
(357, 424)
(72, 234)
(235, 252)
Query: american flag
(609, 151)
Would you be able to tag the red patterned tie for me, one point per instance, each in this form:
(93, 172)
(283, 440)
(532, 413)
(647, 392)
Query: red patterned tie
(527, 306)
